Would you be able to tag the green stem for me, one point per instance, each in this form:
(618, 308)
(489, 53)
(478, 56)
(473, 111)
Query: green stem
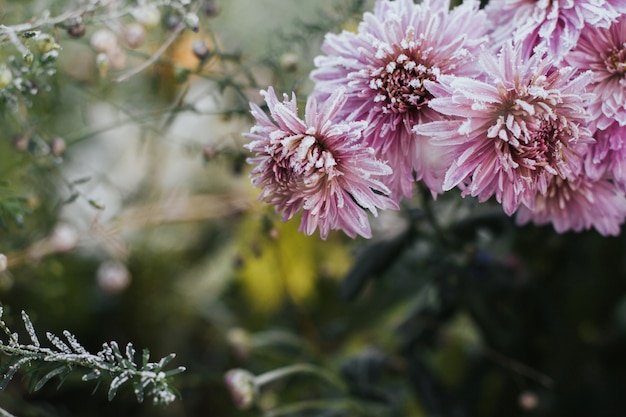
(280, 373)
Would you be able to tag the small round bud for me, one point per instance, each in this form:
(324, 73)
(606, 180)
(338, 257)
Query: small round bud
(4, 262)
(149, 16)
(57, 146)
(6, 77)
(76, 31)
(208, 152)
(134, 35)
(200, 49)
(102, 62)
(117, 58)
(20, 142)
(528, 400)
(192, 21)
(103, 40)
(45, 43)
(289, 61)
(28, 58)
(113, 276)
(240, 342)
(242, 387)
(210, 7)
(64, 238)
(172, 21)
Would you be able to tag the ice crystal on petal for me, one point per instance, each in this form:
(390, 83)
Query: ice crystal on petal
(552, 26)
(528, 128)
(316, 165)
(603, 52)
(578, 204)
(385, 67)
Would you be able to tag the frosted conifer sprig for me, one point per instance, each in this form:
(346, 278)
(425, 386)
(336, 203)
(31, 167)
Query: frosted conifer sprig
(149, 379)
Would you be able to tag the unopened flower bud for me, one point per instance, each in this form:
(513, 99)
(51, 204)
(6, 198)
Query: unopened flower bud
(102, 62)
(46, 43)
(148, 16)
(289, 61)
(103, 40)
(28, 58)
(242, 387)
(4, 262)
(76, 31)
(192, 21)
(240, 341)
(64, 238)
(528, 400)
(117, 58)
(208, 152)
(200, 49)
(172, 21)
(6, 76)
(210, 7)
(20, 142)
(57, 146)
(113, 276)
(134, 35)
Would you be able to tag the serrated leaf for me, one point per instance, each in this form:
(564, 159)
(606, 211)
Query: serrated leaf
(47, 377)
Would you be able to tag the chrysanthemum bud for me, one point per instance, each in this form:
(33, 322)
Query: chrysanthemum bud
(210, 7)
(20, 142)
(289, 61)
(28, 58)
(208, 152)
(76, 31)
(528, 400)
(103, 40)
(200, 49)
(172, 21)
(102, 62)
(240, 342)
(148, 16)
(113, 276)
(242, 387)
(46, 43)
(57, 146)
(134, 35)
(192, 21)
(64, 238)
(6, 77)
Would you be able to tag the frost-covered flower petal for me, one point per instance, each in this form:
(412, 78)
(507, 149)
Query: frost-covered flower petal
(577, 205)
(316, 165)
(384, 68)
(603, 52)
(513, 132)
(552, 25)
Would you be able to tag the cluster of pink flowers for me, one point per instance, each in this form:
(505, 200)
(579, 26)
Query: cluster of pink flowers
(523, 102)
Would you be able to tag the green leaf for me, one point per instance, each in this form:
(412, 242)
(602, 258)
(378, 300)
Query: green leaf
(47, 377)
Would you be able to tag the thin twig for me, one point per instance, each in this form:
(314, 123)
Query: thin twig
(177, 31)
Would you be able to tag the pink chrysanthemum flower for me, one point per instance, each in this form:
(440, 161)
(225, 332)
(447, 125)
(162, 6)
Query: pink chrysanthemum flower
(578, 204)
(603, 52)
(553, 25)
(383, 68)
(607, 157)
(316, 165)
(514, 134)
